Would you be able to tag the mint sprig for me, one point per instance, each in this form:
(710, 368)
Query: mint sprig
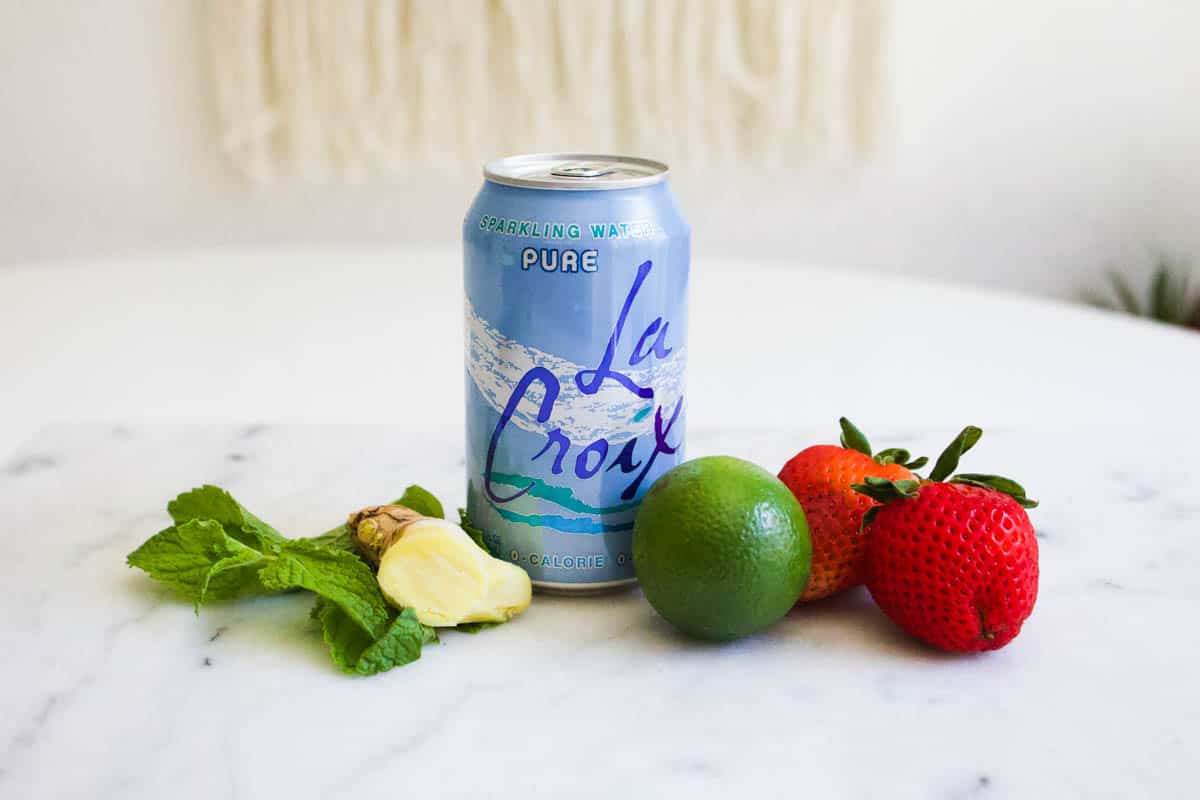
(201, 562)
(217, 551)
(216, 504)
(354, 651)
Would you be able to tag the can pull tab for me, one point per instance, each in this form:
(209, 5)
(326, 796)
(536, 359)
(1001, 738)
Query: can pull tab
(582, 169)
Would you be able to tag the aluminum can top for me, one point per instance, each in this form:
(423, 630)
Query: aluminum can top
(575, 171)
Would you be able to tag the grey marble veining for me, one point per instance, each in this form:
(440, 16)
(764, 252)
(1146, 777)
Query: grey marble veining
(112, 688)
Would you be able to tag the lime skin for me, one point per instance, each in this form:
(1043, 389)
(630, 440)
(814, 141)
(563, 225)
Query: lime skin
(721, 548)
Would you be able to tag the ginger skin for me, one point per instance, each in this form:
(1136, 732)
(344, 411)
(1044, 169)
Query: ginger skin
(377, 527)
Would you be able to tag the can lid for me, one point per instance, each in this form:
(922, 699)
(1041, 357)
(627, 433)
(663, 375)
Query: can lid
(575, 171)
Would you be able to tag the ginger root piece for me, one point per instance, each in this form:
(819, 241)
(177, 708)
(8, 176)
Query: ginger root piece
(509, 594)
(433, 567)
(376, 527)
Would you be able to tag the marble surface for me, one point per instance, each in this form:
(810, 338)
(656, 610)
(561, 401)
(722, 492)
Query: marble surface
(375, 335)
(112, 689)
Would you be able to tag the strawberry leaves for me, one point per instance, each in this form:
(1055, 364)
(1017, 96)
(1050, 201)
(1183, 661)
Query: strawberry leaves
(997, 483)
(948, 461)
(886, 491)
(898, 455)
(854, 439)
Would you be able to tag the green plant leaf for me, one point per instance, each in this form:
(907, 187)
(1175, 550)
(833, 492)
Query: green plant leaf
(354, 651)
(473, 530)
(893, 455)
(422, 502)
(1126, 296)
(234, 576)
(1161, 293)
(948, 461)
(338, 576)
(997, 483)
(475, 627)
(853, 438)
(339, 538)
(898, 455)
(200, 561)
(214, 503)
(883, 490)
(868, 518)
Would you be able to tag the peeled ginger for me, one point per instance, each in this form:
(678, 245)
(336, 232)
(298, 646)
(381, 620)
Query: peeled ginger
(433, 567)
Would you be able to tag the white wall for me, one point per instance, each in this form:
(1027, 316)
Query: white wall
(1034, 142)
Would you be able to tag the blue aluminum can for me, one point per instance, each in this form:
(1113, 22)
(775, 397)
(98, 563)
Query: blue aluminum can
(575, 268)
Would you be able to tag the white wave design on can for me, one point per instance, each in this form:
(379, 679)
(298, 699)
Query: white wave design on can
(497, 363)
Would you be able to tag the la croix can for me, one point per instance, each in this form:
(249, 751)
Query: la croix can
(575, 268)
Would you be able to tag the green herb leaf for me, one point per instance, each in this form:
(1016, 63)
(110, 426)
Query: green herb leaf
(214, 503)
(233, 576)
(200, 561)
(472, 530)
(422, 502)
(219, 550)
(475, 627)
(948, 461)
(339, 577)
(853, 438)
(339, 538)
(354, 651)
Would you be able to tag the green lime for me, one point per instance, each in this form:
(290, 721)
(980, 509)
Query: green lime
(721, 547)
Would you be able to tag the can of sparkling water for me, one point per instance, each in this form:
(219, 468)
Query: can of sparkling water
(575, 268)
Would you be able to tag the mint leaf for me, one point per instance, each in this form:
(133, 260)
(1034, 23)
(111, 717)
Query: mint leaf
(339, 538)
(353, 651)
(422, 502)
(233, 576)
(474, 532)
(200, 561)
(475, 627)
(339, 577)
(401, 644)
(218, 550)
(214, 503)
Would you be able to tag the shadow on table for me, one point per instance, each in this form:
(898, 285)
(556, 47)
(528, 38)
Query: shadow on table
(848, 622)
(851, 621)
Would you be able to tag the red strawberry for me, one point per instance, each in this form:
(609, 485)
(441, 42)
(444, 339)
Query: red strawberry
(954, 563)
(820, 477)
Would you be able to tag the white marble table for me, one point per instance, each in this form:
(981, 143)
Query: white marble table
(110, 688)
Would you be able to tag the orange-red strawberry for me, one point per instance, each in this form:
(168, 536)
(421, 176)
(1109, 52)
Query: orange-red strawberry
(821, 477)
(953, 563)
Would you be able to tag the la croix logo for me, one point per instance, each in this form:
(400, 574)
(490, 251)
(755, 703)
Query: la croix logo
(590, 459)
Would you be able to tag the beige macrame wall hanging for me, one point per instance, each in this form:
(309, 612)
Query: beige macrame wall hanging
(351, 88)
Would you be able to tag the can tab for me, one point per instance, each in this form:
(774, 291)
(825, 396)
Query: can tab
(582, 170)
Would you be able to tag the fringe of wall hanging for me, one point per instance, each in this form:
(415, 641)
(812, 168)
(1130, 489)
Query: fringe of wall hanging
(351, 88)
